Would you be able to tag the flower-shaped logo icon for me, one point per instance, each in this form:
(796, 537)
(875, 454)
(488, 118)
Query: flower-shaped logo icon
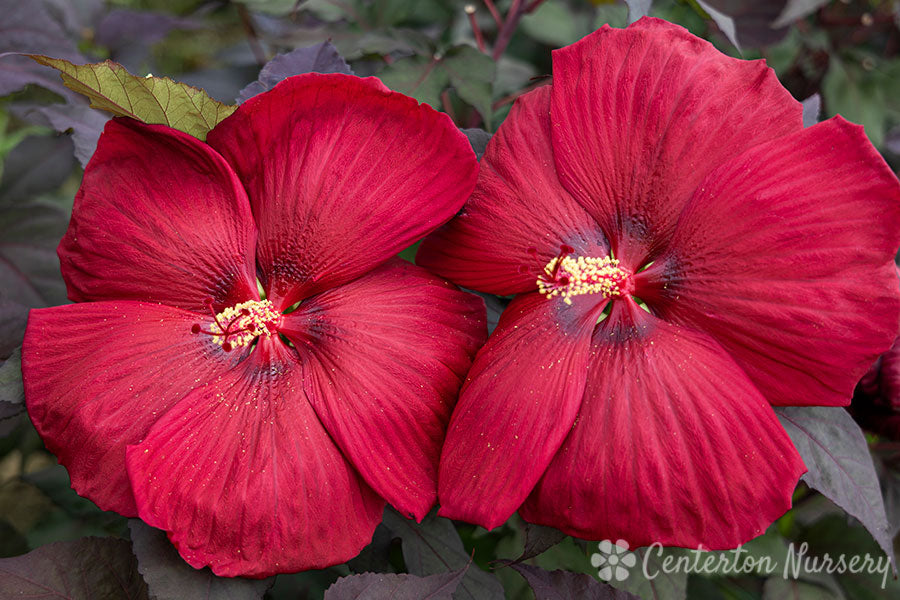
(613, 560)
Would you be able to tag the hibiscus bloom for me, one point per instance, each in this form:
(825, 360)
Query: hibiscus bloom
(685, 255)
(263, 434)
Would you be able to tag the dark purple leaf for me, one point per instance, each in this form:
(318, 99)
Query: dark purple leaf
(434, 546)
(637, 9)
(320, 58)
(564, 585)
(12, 325)
(29, 267)
(170, 578)
(840, 466)
(752, 19)
(85, 123)
(27, 27)
(375, 557)
(129, 34)
(812, 108)
(86, 569)
(391, 586)
(12, 394)
(539, 539)
(479, 139)
(892, 139)
(37, 165)
(76, 16)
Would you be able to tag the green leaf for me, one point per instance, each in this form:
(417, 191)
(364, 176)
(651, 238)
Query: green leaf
(87, 569)
(472, 74)
(469, 71)
(554, 24)
(154, 100)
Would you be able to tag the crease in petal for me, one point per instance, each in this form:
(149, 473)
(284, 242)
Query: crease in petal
(641, 115)
(785, 256)
(342, 174)
(159, 217)
(672, 444)
(519, 215)
(383, 358)
(98, 375)
(244, 478)
(516, 407)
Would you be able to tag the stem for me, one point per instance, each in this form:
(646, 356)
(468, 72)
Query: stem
(479, 38)
(494, 12)
(509, 27)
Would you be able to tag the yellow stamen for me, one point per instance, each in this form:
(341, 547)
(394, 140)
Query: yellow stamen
(242, 323)
(566, 277)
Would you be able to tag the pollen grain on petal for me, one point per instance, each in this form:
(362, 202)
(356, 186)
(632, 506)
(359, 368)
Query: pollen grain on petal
(568, 276)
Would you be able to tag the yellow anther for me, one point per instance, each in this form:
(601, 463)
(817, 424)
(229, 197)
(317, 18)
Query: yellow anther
(242, 323)
(566, 276)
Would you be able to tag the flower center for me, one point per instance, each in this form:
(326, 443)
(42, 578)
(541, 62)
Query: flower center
(242, 323)
(567, 276)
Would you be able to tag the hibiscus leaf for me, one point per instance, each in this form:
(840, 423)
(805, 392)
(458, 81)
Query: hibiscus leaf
(86, 569)
(539, 539)
(170, 578)
(155, 100)
(472, 74)
(479, 139)
(565, 585)
(319, 58)
(12, 393)
(29, 27)
(812, 109)
(840, 466)
(725, 23)
(39, 164)
(85, 124)
(391, 586)
(418, 76)
(434, 546)
(797, 9)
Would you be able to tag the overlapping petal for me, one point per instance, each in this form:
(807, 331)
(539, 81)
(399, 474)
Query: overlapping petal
(518, 216)
(342, 174)
(98, 375)
(672, 444)
(159, 217)
(785, 256)
(518, 404)
(245, 479)
(641, 115)
(383, 359)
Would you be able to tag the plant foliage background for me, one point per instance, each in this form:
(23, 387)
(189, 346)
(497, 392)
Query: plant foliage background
(471, 61)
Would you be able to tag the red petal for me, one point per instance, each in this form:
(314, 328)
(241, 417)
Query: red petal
(673, 444)
(383, 360)
(159, 217)
(785, 256)
(98, 375)
(517, 205)
(641, 115)
(517, 406)
(342, 174)
(244, 478)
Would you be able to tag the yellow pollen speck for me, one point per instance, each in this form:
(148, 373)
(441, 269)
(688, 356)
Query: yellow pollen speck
(240, 329)
(566, 277)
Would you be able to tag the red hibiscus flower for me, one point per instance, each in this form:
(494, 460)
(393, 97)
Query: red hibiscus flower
(685, 255)
(264, 435)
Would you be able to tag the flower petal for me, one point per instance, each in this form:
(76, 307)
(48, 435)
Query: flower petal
(673, 444)
(98, 375)
(244, 478)
(516, 407)
(518, 204)
(342, 174)
(785, 256)
(383, 360)
(160, 217)
(641, 115)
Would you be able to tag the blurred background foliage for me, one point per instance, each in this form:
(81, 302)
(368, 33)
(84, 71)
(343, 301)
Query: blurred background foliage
(471, 60)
